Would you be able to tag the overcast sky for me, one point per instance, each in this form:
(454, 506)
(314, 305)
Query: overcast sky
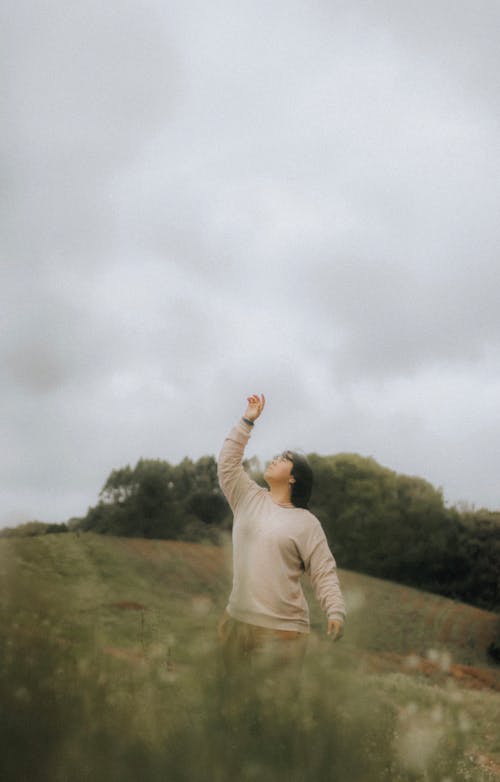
(206, 200)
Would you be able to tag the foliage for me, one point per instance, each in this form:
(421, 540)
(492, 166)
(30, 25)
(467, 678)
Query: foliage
(158, 500)
(32, 528)
(398, 527)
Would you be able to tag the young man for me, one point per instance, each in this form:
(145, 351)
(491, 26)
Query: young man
(275, 539)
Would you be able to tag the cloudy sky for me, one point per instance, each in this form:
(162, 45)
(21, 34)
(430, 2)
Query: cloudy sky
(206, 200)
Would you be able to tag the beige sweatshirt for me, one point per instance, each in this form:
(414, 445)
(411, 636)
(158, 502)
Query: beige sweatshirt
(272, 546)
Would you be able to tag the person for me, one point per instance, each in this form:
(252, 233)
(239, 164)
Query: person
(275, 540)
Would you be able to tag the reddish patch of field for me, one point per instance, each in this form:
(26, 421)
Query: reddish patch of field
(205, 561)
(466, 675)
(490, 764)
(128, 605)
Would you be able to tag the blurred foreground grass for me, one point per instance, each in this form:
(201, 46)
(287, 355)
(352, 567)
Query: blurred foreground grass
(110, 671)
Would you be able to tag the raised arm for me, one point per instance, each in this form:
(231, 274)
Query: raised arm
(233, 479)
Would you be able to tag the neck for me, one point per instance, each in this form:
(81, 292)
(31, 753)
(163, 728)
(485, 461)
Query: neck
(281, 495)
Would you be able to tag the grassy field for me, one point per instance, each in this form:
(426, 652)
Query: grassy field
(110, 671)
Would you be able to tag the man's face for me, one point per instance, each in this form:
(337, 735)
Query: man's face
(279, 469)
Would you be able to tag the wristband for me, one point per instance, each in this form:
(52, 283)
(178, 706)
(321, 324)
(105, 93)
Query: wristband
(247, 421)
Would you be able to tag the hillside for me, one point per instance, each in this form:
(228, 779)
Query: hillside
(101, 601)
(94, 574)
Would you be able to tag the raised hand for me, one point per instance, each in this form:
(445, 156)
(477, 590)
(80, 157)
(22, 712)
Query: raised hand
(255, 406)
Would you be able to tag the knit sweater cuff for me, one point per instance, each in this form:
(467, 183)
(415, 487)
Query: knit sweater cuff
(246, 426)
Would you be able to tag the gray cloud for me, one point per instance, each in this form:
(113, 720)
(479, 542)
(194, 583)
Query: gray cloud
(85, 86)
(196, 207)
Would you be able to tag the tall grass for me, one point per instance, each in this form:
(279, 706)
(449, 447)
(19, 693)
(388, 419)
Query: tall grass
(167, 711)
(72, 716)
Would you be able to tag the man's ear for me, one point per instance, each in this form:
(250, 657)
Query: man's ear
(292, 480)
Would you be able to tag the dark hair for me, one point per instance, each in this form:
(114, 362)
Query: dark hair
(303, 474)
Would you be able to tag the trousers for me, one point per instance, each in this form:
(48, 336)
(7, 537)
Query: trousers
(245, 646)
(261, 670)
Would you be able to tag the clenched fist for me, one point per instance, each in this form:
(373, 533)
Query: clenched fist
(255, 406)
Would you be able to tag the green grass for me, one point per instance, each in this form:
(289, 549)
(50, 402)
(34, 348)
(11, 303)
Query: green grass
(109, 670)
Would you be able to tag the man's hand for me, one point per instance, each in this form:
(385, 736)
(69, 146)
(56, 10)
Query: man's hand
(255, 406)
(335, 629)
